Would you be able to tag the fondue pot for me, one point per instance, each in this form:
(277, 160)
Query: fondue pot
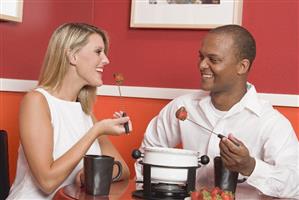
(170, 165)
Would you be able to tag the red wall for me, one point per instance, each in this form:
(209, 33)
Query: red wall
(154, 57)
(23, 44)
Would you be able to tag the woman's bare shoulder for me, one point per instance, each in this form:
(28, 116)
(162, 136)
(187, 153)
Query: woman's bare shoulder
(34, 95)
(34, 100)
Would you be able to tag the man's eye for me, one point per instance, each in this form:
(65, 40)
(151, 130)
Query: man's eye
(213, 60)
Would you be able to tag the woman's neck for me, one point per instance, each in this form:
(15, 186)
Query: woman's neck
(69, 89)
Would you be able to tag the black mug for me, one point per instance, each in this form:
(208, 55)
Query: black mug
(224, 179)
(98, 171)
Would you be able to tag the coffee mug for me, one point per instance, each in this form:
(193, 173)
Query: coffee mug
(98, 171)
(224, 179)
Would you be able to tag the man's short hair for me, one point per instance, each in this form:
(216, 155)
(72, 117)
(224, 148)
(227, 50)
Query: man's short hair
(244, 42)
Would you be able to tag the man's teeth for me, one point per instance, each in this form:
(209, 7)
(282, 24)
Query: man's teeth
(99, 69)
(207, 75)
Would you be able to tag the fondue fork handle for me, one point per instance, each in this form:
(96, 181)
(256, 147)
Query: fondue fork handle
(126, 125)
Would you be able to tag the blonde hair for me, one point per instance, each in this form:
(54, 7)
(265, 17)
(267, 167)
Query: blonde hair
(70, 36)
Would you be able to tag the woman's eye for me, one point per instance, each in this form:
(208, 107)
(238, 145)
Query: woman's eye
(99, 51)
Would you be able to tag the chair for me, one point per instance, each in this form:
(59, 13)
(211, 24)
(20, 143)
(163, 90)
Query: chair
(4, 170)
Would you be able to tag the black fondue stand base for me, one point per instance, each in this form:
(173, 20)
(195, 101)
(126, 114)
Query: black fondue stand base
(154, 196)
(155, 192)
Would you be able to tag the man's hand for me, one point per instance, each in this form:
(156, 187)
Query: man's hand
(235, 155)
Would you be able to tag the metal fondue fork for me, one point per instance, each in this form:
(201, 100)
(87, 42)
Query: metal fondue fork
(126, 125)
(218, 134)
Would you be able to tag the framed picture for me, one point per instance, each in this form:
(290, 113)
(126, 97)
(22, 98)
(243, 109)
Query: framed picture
(11, 10)
(185, 13)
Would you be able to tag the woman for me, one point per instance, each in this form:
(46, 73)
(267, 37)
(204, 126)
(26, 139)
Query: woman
(57, 127)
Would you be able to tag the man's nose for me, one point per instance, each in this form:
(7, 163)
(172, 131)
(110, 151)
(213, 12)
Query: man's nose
(202, 63)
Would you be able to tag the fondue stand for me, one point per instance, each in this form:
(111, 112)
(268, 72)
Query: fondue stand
(161, 189)
(164, 190)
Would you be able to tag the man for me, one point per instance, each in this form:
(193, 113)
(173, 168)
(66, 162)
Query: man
(260, 143)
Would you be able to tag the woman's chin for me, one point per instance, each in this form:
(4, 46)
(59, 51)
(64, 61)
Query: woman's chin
(99, 84)
(96, 83)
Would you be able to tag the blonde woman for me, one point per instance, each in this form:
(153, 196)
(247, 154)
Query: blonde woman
(57, 127)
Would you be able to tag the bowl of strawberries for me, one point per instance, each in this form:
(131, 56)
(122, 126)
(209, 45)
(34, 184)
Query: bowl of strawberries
(215, 194)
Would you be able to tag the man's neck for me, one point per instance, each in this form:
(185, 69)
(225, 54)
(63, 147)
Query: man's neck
(224, 101)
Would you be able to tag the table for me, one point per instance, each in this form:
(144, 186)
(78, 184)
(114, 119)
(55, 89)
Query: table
(118, 190)
(122, 190)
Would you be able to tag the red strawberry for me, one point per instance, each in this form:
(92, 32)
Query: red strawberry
(227, 195)
(196, 195)
(216, 190)
(119, 78)
(181, 113)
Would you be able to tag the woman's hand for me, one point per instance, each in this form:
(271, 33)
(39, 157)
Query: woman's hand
(119, 115)
(80, 178)
(112, 126)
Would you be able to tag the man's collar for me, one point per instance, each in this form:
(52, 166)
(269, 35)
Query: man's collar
(249, 101)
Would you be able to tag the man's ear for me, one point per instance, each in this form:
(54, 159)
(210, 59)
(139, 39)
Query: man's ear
(243, 67)
(71, 55)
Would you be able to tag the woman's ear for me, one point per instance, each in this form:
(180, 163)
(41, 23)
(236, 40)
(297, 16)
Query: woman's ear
(71, 55)
(243, 67)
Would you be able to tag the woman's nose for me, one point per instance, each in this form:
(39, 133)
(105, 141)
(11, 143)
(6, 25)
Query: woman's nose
(105, 59)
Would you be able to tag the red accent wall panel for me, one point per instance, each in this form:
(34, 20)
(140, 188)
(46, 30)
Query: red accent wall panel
(275, 27)
(155, 57)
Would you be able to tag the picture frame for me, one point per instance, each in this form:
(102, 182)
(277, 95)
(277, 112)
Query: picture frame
(185, 13)
(11, 10)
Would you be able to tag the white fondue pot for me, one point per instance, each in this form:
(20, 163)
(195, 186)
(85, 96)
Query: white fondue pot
(170, 157)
